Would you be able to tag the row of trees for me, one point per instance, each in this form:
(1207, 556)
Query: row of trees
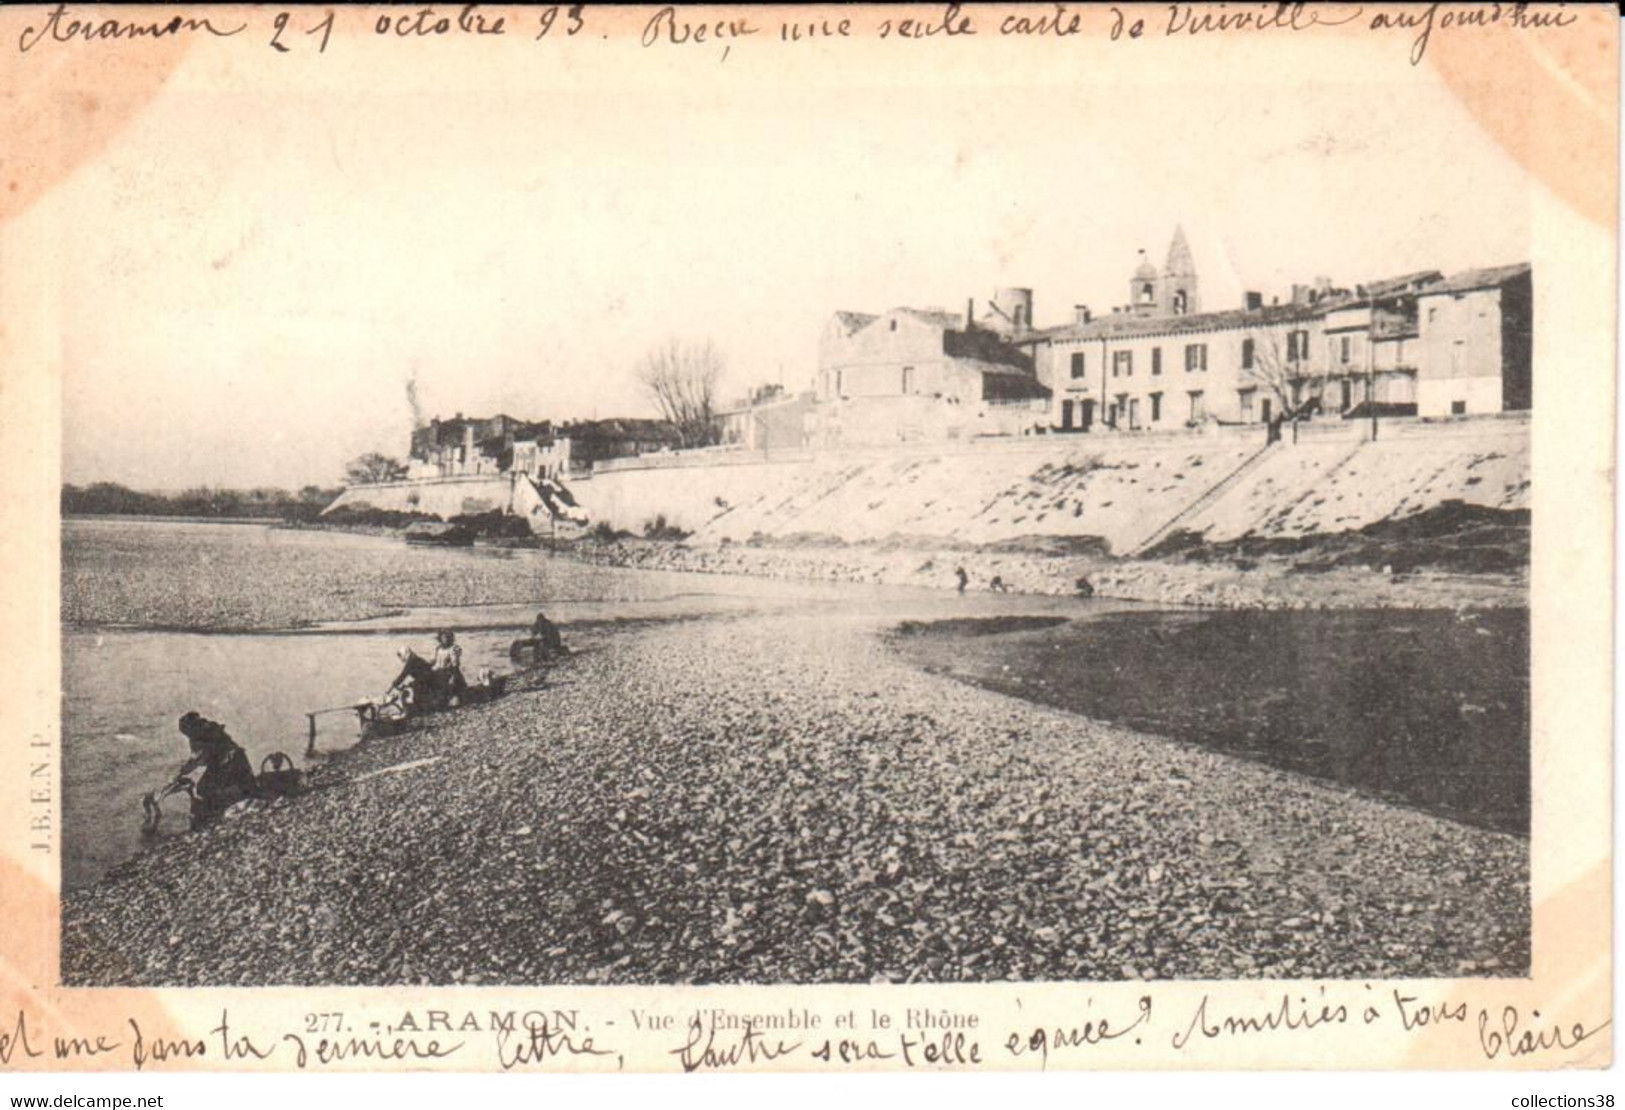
(112, 499)
(262, 502)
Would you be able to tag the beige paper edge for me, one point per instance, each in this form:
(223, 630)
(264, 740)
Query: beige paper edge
(60, 107)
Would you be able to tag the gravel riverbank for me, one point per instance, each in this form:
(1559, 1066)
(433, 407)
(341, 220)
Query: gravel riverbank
(771, 798)
(1260, 585)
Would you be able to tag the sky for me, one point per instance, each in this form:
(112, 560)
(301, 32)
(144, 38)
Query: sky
(259, 263)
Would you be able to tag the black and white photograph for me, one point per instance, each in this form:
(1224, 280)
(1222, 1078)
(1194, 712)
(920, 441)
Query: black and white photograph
(685, 498)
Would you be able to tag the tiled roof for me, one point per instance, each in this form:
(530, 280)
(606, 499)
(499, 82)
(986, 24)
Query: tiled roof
(1478, 279)
(1386, 286)
(854, 321)
(1128, 325)
(934, 317)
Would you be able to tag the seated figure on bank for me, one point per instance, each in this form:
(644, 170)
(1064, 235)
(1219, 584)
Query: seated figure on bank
(448, 667)
(227, 777)
(545, 642)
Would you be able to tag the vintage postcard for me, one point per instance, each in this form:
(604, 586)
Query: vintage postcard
(850, 538)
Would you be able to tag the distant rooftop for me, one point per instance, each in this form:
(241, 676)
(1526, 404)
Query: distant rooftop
(1479, 279)
(1128, 324)
(1121, 325)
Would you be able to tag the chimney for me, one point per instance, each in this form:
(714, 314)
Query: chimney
(970, 313)
(1300, 294)
(1080, 314)
(1255, 301)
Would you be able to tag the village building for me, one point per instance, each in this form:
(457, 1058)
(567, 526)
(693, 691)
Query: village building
(618, 437)
(543, 456)
(461, 447)
(922, 375)
(1475, 336)
(1419, 344)
(768, 420)
(464, 447)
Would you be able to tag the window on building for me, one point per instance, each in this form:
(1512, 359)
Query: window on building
(1122, 364)
(1156, 361)
(1134, 412)
(1179, 303)
(1248, 351)
(1078, 365)
(908, 379)
(1348, 393)
(1148, 293)
(1247, 396)
(1198, 408)
(1297, 346)
(1345, 349)
(837, 383)
(1458, 408)
(1156, 407)
(1195, 357)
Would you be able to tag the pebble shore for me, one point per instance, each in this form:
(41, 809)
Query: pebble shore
(1213, 585)
(778, 798)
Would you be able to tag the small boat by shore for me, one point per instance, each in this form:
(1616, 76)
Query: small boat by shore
(438, 534)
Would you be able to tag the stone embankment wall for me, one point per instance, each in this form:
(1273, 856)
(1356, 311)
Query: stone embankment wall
(449, 497)
(1126, 490)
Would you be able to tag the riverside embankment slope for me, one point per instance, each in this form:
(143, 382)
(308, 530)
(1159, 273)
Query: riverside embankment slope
(776, 797)
(1428, 514)
(1436, 513)
(1113, 493)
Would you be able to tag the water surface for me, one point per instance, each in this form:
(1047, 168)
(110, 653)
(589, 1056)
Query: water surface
(1425, 707)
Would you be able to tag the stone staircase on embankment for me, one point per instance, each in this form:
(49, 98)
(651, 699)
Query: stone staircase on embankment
(1208, 497)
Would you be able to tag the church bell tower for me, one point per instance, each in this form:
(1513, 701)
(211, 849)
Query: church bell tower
(1143, 296)
(1177, 291)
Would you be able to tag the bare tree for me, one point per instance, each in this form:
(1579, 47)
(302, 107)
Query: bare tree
(373, 467)
(681, 379)
(1298, 391)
